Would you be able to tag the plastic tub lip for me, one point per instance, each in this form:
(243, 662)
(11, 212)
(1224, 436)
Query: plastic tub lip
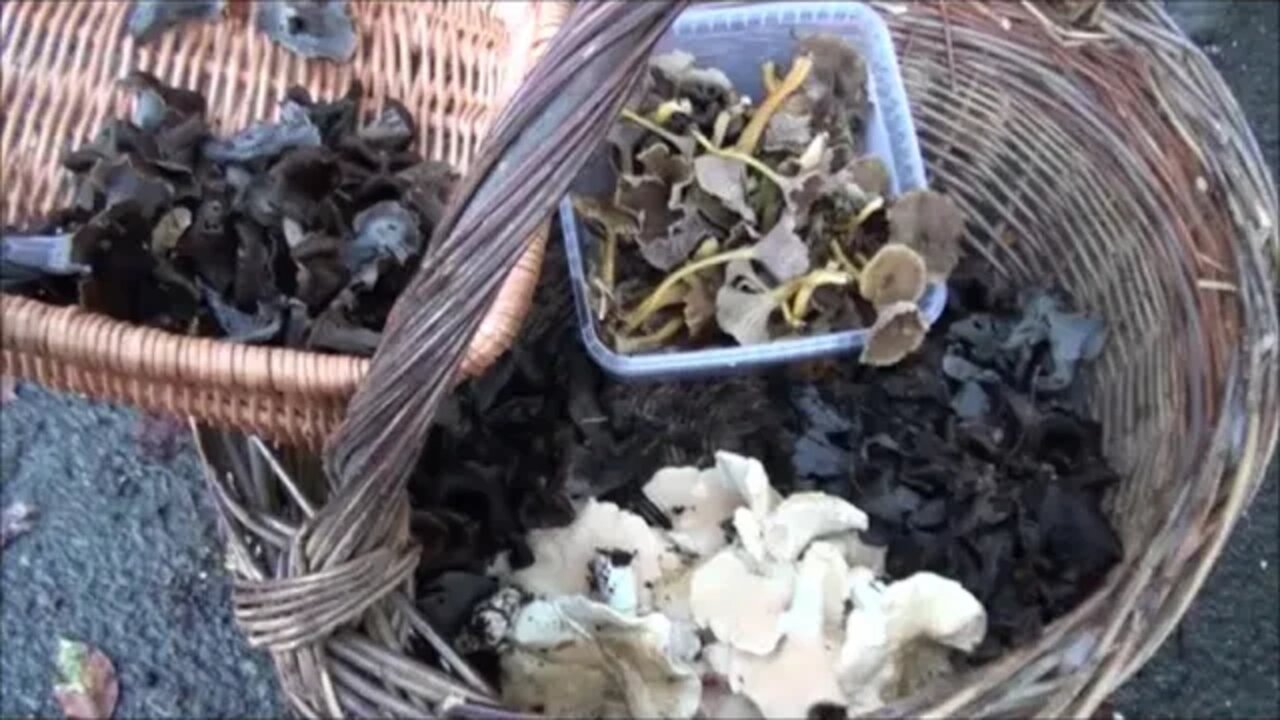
(890, 135)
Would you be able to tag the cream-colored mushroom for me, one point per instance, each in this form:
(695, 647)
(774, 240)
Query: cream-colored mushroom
(886, 624)
(698, 502)
(747, 475)
(896, 273)
(858, 553)
(801, 672)
(835, 585)
(750, 535)
(562, 556)
(898, 331)
(741, 607)
(803, 516)
(646, 664)
(720, 702)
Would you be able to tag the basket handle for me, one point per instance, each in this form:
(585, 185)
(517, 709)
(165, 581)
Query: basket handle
(545, 134)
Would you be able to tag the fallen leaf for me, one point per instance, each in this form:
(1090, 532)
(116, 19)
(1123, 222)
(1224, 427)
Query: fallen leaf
(666, 251)
(727, 180)
(17, 519)
(789, 130)
(89, 688)
(782, 251)
(744, 305)
(699, 306)
(674, 170)
(678, 67)
(646, 197)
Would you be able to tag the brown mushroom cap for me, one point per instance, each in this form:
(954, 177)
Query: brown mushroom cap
(871, 175)
(896, 273)
(931, 224)
(899, 330)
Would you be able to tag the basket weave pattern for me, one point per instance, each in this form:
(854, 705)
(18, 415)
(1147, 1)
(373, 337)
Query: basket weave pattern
(453, 64)
(1112, 161)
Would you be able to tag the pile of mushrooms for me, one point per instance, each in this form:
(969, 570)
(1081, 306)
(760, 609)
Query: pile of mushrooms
(750, 605)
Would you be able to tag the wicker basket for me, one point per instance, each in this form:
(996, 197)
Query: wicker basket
(453, 64)
(1109, 158)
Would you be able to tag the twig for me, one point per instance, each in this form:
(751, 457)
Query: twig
(285, 479)
(1217, 285)
(946, 35)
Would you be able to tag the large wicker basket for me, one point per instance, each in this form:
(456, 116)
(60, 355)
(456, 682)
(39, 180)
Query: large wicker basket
(1108, 157)
(453, 64)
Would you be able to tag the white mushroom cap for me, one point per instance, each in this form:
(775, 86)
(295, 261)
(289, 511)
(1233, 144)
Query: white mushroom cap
(750, 532)
(742, 608)
(646, 662)
(835, 585)
(803, 516)
(801, 672)
(938, 608)
(886, 624)
(747, 475)
(562, 556)
(719, 702)
(698, 502)
(858, 553)
(898, 331)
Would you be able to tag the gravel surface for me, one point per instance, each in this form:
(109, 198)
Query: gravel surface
(124, 555)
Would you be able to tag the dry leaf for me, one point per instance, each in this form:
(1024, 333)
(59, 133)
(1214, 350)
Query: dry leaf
(782, 251)
(89, 688)
(674, 170)
(669, 250)
(789, 130)
(699, 306)
(677, 66)
(16, 519)
(646, 196)
(727, 180)
(744, 305)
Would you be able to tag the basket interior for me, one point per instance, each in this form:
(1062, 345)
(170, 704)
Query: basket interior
(1058, 190)
(447, 62)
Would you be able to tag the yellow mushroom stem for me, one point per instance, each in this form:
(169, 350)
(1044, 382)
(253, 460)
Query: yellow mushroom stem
(655, 299)
(769, 75)
(843, 259)
(741, 157)
(799, 72)
(647, 124)
(609, 252)
(656, 338)
(867, 210)
(669, 108)
(808, 284)
(721, 128)
(707, 248)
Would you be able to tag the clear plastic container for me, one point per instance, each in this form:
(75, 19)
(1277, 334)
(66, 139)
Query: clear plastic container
(738, 40)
